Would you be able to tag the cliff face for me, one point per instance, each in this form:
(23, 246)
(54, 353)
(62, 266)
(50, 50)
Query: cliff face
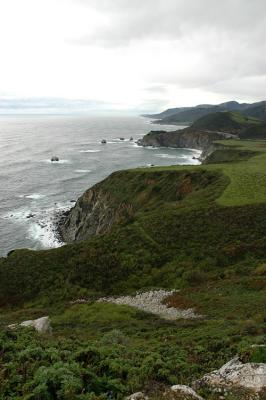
(93, 214)
(184, 138)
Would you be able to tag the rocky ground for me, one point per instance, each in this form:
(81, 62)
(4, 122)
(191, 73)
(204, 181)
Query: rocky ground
(245, 381)
(152, 302)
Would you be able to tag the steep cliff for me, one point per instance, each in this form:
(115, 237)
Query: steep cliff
(94, 213)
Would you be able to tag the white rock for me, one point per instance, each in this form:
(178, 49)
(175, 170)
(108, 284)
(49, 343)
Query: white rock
(137, 396)
(41, 325)
(186, 390)
(237, 374)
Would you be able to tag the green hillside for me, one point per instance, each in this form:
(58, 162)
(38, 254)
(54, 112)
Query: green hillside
(258, 111)
(196, 229)
(256, 132)
(225, 121)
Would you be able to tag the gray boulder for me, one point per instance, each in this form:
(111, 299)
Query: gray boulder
(137, 396)
(186, 391)
(41, 325)
(235, 374)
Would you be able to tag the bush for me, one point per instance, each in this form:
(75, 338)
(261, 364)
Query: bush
(194, 278)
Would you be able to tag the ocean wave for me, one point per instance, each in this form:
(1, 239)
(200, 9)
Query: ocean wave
(82, 171)
(41, 225)
(19, 215)
(90, 151)
(118, 140)
(34, 196)
(45, 237)
(57, 162)
(163, 155)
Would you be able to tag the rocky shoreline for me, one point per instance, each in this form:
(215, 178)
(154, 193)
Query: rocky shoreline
(60, 219)
(189, 138)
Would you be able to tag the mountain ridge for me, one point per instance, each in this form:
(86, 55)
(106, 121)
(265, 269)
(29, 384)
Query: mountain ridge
(187, 115)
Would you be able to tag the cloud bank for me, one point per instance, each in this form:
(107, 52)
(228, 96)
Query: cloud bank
(134, 53)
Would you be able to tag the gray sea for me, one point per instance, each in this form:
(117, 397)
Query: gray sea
(33, 189)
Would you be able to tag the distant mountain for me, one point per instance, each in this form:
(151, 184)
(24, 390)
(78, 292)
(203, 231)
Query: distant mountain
(257, 111)
(167, 113)
(188, 115)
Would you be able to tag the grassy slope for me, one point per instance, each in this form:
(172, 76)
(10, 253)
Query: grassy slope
(197, 229)
(225, 121)
(257, 133)
(247, 179)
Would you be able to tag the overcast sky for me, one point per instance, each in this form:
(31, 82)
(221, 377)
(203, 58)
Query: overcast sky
(132, 54)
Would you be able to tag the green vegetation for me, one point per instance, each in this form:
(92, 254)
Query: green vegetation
(255, 133)
(200, 230)
(232, 155)
(225, 121)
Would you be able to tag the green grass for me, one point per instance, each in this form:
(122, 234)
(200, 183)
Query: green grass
(247, 179)
(245, 167)
(243, 119)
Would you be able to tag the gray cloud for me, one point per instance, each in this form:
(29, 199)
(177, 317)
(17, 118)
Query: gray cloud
(132, 53)
(156, 89)
(137, 19)
(226, 36)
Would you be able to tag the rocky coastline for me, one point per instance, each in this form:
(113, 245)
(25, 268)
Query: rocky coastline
(189, 138)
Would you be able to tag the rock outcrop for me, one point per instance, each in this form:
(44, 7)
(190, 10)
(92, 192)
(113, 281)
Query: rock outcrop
(245, 381)
(176, 392)
(93, 214)
(137, 396)
(184, 138)
(41, 325)
(186, 392)
(236, 375)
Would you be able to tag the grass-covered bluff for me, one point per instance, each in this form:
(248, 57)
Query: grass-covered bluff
(201, 230)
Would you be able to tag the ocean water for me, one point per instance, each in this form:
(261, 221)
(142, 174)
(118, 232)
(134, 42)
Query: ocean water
(33, 189)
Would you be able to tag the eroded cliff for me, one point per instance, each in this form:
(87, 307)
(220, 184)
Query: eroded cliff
(185, 138)
(94, 214)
